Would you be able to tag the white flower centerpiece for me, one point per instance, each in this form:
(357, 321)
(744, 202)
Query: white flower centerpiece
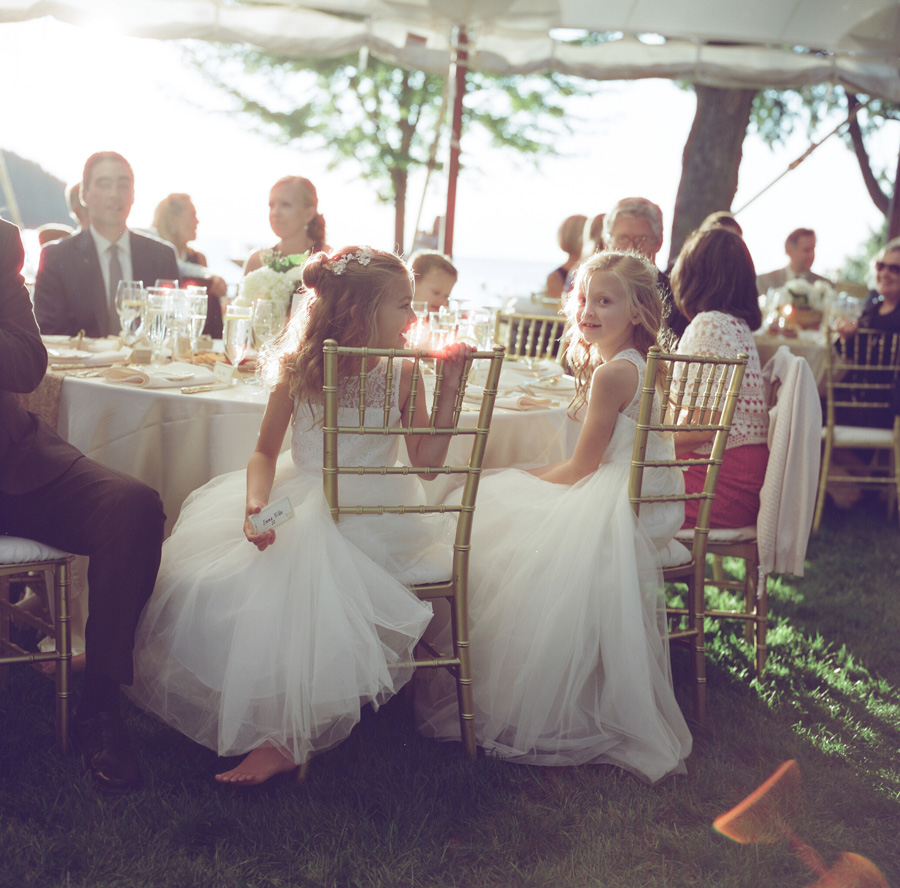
(275, 281)
(803, 304)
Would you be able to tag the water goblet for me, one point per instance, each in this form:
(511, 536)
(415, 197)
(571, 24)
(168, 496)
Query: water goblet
(160, 309)
(130, 303)
(197, 305)
(238, 332)
(166, 284)
(268, 319)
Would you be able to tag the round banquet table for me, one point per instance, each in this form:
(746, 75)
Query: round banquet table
(177, 442)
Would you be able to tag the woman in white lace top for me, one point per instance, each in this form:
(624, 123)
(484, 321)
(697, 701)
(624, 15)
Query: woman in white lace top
(714, 284)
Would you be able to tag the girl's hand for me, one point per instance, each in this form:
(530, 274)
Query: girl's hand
(261, 540)
(454, 357)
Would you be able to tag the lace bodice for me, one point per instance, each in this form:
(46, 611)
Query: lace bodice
(718, 333)
(632, 408)
(361, 450)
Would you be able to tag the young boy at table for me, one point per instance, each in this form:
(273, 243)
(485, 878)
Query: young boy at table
(435, 278)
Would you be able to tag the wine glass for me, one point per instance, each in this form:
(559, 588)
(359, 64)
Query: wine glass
(166, 284)
(130, 303)
(197, 305)
(238, 332)
(268, 319)
(160, 307)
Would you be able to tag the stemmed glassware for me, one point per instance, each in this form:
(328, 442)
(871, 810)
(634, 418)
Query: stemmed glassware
(268, 320)
(197, 304)
(130, 305)
(160, 310)
(238, 332)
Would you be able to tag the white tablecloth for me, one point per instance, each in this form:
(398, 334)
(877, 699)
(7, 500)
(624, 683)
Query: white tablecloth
(176, 442)
(809, 344)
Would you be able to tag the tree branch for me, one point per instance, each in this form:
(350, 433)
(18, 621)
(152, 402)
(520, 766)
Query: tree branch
(879, 198)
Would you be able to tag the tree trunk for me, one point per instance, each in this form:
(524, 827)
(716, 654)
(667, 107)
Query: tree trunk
(398, 180)
(712, 156)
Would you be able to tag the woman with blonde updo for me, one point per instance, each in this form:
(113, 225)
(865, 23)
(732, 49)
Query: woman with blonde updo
(294, 216)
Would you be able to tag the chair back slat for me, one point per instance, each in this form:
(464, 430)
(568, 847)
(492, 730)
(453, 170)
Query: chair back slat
(529, 336)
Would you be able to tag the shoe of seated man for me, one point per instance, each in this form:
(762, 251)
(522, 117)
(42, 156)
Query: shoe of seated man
(102, 741)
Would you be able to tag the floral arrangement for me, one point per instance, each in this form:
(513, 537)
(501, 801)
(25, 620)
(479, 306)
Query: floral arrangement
(802, 294)
(275, 281)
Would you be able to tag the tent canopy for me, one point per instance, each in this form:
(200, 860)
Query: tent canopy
(773, 43)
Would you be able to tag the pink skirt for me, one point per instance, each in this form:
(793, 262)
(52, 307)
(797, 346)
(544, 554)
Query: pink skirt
(741, 477)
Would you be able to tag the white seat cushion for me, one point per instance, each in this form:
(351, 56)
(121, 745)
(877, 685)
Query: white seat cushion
(853, 436)
(435, 565)
(722, 535)
(673, 554)
(18, 550)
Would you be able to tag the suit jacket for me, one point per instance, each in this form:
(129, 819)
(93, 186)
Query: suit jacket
(779, 278)
(69, 294)
(31, 454)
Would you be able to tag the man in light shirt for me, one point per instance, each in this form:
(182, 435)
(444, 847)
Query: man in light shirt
(77, 278)
(800, 248)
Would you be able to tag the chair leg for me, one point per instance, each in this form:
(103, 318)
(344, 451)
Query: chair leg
(696, 594)
(4, 626)
(823, 484)
(64, 652)
(464, 695)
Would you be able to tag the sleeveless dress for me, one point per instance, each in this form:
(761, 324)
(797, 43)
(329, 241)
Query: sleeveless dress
(568, 638)
(236, 646)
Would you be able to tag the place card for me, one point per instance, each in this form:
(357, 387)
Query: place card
(224, 372)
(272, 515)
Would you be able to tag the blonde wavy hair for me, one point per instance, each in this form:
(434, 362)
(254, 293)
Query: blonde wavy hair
(638, 278)
(340, 306)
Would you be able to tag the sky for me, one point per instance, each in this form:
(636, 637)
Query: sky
(69, 92)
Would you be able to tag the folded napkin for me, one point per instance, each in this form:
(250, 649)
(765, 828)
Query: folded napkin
(508, 400)
(170, 376)
(63, 357)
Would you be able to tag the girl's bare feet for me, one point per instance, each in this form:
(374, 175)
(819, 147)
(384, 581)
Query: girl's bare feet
(77, 665)
(261, 764)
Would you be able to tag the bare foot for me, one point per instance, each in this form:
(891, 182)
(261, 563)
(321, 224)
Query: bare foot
(77, 665)
(262, 763)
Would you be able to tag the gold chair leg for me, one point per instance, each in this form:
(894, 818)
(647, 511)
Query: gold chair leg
(823, 484)
(64, 650)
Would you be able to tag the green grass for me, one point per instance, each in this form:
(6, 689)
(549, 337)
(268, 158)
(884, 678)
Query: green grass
(387, 808)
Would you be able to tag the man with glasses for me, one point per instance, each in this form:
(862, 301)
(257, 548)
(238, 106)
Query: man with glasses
(635, 224)
(800, 248)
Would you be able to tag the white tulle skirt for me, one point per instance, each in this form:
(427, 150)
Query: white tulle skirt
(237, 647)
(568, 639)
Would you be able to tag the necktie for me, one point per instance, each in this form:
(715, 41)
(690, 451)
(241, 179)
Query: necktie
(115, 275)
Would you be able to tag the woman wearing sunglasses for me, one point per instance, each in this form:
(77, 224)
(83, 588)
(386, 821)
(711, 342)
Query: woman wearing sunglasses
(882, 310)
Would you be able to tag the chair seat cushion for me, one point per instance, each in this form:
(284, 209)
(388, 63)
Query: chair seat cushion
(858, 436)
(18, 550)
(435, 565)
(722, 535)
(673, 554)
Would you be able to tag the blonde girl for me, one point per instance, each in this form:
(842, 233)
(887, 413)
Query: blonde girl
(569, 654)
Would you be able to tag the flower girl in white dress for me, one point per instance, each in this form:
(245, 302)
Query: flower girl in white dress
(252, 644)
(568, 639)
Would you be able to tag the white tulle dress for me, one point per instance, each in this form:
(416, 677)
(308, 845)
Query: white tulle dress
(237, 646)
(568, 640)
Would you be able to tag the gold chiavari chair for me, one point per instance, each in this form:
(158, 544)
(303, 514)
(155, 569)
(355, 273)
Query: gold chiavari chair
(529, 336)
(862, 384)
(22, 559)
(702, 398)
(452, 582)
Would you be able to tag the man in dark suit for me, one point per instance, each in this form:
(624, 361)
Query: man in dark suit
(52, 493)
(76, 281)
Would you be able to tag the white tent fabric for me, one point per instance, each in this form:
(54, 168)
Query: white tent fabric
(856, 43)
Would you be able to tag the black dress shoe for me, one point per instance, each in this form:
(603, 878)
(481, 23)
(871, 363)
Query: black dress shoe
(102, 741)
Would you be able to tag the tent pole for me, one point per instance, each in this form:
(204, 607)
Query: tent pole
(458, 75)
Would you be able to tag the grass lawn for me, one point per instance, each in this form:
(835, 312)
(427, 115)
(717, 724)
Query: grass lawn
(387, 808)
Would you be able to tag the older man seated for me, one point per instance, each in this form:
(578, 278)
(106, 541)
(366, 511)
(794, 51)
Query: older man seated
(636, 223)
(800, 247)
(76, 283)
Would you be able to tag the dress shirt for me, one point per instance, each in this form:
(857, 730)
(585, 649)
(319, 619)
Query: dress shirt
(124, 245)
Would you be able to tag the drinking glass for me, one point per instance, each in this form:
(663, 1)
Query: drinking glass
(238, 332)
(130, 302)
(160, 309)
(166, 284)
(268, 319)
(197, 305)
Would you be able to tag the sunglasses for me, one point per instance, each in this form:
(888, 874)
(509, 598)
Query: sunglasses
(892, 267)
